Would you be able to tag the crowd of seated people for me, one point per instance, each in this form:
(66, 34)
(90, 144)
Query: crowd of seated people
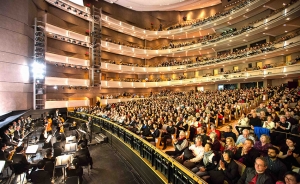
(218, 15)
(209, 38)
(273, 155)
(175, 62)
(199, 22)
(127, 45)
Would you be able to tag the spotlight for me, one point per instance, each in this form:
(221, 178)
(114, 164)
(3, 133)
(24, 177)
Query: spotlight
(70, 66)
(56, 64)
(79, 43)
(86, 15)
(69, 8)
(63, 5)
(55, 87)
(81, 88)
(63, 65)
(54, 36)
(69, 40)
(86, 88)
(70, 87)
(75, 88)
(75, 10)
(74, 41)
(62, 38)
(84, 44)
(80, 13)
(56, 2)
(62, 87)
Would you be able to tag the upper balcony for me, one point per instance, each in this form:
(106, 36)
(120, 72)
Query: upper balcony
(289, 46)
(236, 14)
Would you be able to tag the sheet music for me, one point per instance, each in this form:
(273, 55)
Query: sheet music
(70, 139)
(32, 149)
(63, 160)
(71, 147)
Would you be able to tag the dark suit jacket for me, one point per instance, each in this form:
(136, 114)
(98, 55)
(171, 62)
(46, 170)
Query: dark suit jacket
(20, 158)
(230, 174)
(3, 155)
(17, 135)
(59, 145)
(247, 159)
(155, 134)
(7, 140)
(83, 152)
(40, 177)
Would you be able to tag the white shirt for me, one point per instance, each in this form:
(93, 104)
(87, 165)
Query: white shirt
(269, 126)
(198, 151)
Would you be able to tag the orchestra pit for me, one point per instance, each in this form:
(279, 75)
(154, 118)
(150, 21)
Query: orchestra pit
(144, 92)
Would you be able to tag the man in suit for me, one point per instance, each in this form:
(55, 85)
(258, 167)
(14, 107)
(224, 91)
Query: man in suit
(4, 153)
(20, 158)
(17, 134)
(168, 134)
(58, 143)
(7, 139)
(40, 176)
(84, 155)
(155, 133)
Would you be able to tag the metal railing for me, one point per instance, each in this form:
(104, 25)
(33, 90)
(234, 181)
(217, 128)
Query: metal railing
(169, 170)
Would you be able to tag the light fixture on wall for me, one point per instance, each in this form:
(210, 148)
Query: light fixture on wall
(63, 5)
(56, 2)
(69, 8)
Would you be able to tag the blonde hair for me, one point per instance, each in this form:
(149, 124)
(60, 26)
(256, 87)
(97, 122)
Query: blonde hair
(267, 138)
(231, 140)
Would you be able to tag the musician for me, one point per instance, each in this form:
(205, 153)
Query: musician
(89, 124)
(11, 129)
(59, 143)
(49, 126)
(17, 134)
(83, 139)
(40, 176)
(48, 156)
(4, 153)
(7, 139)
(57, 113)
(14, 125)
(19, 157)
(84, 153)
(75, 170)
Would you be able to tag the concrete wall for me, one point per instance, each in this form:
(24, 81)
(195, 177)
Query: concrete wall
(16, 51)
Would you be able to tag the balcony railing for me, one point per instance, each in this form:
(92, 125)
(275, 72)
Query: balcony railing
(50, 104)
(270, 72)
(166, 167)
(146, 34)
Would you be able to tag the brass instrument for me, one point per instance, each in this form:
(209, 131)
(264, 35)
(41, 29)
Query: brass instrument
(11, 154)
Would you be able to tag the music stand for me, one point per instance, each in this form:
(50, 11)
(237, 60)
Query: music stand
(62, 162)
(70, 148)
(70, 139)
(2, 164)
(32, 150)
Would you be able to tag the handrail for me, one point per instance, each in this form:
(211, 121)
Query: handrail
(122, 132)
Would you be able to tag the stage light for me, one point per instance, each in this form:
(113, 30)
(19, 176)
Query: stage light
(80, 13)
(75, 10)
(69, 8)
(86, 15)
(63, 5)
(56, 2)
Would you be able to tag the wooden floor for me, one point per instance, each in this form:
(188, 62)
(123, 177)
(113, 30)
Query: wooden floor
(110, 167)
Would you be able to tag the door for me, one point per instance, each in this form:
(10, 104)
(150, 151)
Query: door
(216, 71)
(235, 68)
(259, 64)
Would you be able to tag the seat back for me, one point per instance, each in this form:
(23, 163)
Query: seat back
(49, 167)
(18, 168)
(158, 139)
(72, 180)
(83, 160)
(57, 152)
(241, 167)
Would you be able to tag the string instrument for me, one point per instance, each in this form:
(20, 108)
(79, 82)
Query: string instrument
(61, 128)
(11, 153)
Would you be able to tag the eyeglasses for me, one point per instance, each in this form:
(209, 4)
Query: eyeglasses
(289, 178)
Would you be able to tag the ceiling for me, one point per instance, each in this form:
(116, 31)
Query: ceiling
(164, 5)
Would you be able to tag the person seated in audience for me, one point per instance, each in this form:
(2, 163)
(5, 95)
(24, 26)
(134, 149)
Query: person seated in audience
(241, 139)
(281, 126)
(216, 145)
(275, 117)
(230, 145)
(261, 108)
(11, 130)
(290, 119)
(247, 154)
(75, 170)
(228, 133)
(214, 130)
(40, 176)
(202, 134)
(179, 144)
(275, 165)
(243, 123)
(145, 131)
(209, 161)
(257, 175)
(255, 121)
(19, 157)
(262, 116)
(154, 132)
(192, 155)
(269, 124)
(290, 177)
(288, 152)
(167, 134)
(226, 170)
(84, 152)
(262, 145)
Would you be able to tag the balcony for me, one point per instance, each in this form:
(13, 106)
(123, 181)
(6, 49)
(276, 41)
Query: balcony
(151, 35)
(263, 73)
(66, 103)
